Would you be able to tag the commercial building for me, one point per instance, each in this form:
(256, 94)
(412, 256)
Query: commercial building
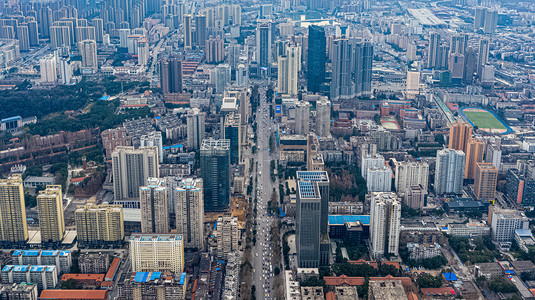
(131, 169)
(485, 181)
(519, 188)
(13, 226)
(470, 229)
(449, 171)
(93, 263)
(233, 133)
(215, 173)
(45, 277)
(385, 217)
(153, 285)
(188, 32)
(51, 220)
(302, 117)
(157, 253)
(323, 117)
(415, 197)
(504, 222)
(352, 69)
(379, 179)
(316, 58)
(227, 235)
(263, 46)
(99, 224)
(154, 206)
(289, 65)
(189, 207)
(460, 133)
(410, 174)
(474, 154)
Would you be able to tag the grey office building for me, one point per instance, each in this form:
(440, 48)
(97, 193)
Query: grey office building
(215, 172)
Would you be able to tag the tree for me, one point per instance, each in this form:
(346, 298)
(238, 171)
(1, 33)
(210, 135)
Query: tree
(69, 284)
(500, 285)
(425, 280)
(313, 281)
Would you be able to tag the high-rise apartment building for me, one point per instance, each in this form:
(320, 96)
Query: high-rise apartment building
(23, 35)
(316, 58)
(409, 174)
(483, 54)
(486, 178)
(131, 168)
(323, 117)
(157, 253)
(200, 31)
(215, 50)
(379, 179)
(88, 50)
(520, 188)
(289, 65)
(233, 133)
(432, 51)
(370, 161)
(65, 70)
(154, 206)
(460, 133)
(227, 235)
(189, 204)
(50, 209)
(111, 138)
(459, 42)
(215, 172)
(413, 84)
(352, 69)
(263, 46)
(415, 196)
(221, 77)
(302, 117)
(474, 155)
(385, 217)
(13, 226)
(171, 75)
(188, 36)
(449, 171)
(491, 21)
(48, 69)
(153, 139)
(195, 128)
(99, 224)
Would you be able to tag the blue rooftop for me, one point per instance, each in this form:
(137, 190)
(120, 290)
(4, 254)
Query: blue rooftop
(313, 175)
(49, 253)
(340, 219)
(16, 253)
(30, 253)
(11, 119)
(104, 98)
(306, 190)
(182, 278)
(450, 276)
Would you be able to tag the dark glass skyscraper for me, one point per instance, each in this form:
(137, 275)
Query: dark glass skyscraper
(215, 173)
(171, 75)
(316, 58)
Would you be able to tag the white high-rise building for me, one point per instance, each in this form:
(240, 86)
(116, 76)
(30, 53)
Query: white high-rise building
(370, 161)
(88, 50)
(385, 217)
(282, 75)
(449, 171)
(323, 117)
(242, 75)
(48, 69)
(153, 139)
(131, 169)
(65, 70)
(227, 235)
(413, 84)
(409, 174)
(189, 204)
(379, 179)
(157, 253)
(143, 54)
(154, 206)
(195, 128)
(302, 117)
(289, 66)
(220, 77)
(504, 222)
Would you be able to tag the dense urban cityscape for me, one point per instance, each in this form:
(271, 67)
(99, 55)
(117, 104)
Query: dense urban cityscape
(219, 150)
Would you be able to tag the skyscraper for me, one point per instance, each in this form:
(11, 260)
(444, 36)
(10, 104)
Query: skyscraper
(459, 42)
(263, 46)
(99, 224)
(282, 74)
(195, 128)
(50, 209)
(491, 21)
(288, 70)
(302, 117)
(323, 117)
(215, 173)
(316, 57)
(432, 53)
(214, 50)
(200, 30)
(352, 69)
(88, 50)
(449, 171)
(483, 55)
(233, 133)
(385, 217)
(189, 203)
(131, 169)
(23, 36)
(48, 69)
(171, 75)
(485, 181)
(154, 206)
(460, 133)
(13, 226)
(474, 155)
(470, 65)
(187, 32)
(479, 18)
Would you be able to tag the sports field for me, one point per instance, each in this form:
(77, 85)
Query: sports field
(485, 120)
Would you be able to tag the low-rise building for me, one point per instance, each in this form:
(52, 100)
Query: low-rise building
(153, 285)
(62, 259)
(93, 263)
(423, 251)
(489, 270)
(312, 293)
(470, 229)
(44, 277)
(86, 281)
(74, 295)
(22, 291)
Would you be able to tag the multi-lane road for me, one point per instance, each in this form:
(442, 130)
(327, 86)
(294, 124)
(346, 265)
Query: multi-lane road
(262, 251)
